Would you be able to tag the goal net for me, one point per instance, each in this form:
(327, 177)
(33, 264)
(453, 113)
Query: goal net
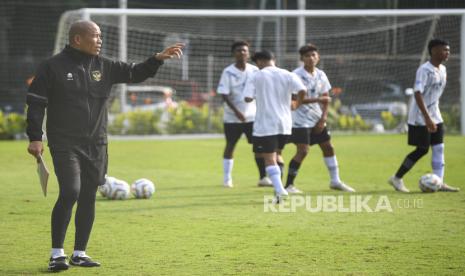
(369, 56)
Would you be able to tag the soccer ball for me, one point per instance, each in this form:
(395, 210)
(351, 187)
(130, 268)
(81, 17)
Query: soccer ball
(429, 183)
(106, 188)
(119, 189)
(143, 188)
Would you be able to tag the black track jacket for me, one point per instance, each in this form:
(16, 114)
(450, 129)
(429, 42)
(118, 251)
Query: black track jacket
(74, 87)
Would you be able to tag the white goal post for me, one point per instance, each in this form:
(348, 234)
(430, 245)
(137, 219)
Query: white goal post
(357, 46)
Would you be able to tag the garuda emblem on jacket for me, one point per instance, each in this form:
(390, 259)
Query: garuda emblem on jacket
(96, 75)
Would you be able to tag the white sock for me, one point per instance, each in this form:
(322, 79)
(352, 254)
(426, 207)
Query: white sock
(333, 168)
(57, 252)
(437, 160)
(227, 169)
(79, 253)
(274, 173)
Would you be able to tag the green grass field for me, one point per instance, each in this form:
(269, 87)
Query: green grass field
(193, 226)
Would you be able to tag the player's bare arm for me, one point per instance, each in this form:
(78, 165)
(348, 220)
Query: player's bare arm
(294, 102)
(430, 125)
(239, 114)
(324, 116)
(302, 99)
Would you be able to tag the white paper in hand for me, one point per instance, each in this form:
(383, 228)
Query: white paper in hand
(43, 174)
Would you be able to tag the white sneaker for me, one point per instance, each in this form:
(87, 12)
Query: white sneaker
(265, 182)
(398, 184)
(293, 190)
(228, 184)
(446, 188)
(341, 186)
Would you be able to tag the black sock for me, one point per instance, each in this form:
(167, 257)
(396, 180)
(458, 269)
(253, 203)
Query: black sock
(281, 167)
(410, 160)
(292, 172)
(261, 166)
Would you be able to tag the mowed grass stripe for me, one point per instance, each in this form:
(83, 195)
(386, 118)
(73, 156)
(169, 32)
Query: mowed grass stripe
(193, 226)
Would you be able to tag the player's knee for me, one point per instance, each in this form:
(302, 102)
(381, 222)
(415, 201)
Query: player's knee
(420, 152)
(69, 197)
(228, 152)
(327, 149)
(302, 152)
(87, 199)
(229, 147)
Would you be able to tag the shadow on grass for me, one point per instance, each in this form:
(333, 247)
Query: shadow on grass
(104, 199)
(163, 197)
(41, 270)
(383, 192)
(194, 187)
(181, 205)
(392, 192)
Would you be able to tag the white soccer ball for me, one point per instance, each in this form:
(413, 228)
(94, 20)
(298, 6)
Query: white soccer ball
(119, 189)
(106, 188)
(429, 183)
(143, 188)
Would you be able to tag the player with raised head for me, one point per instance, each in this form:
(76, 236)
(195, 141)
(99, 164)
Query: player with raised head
(238, 115)
(309, 121)
(425, 124)
(272, 88)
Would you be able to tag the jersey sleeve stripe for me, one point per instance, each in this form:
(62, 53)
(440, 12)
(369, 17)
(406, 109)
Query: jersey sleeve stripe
(34, 95)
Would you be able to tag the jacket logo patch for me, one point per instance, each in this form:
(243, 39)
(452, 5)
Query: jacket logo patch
(69, 76)
(96, 75)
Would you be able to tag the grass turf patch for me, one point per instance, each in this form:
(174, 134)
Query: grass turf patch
(194, 226)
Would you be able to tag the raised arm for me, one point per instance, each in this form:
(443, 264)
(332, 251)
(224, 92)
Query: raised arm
(122, 72)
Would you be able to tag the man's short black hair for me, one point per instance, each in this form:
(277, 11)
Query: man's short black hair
(239, 43)
(436, 42)
(308, 48)
(263, 55)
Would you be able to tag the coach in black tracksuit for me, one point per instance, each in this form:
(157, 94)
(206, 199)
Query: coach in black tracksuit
(74, 87)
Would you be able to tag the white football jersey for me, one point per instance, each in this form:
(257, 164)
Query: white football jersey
(430, 82)
(232, 83)
(308, 115)
(272, 88)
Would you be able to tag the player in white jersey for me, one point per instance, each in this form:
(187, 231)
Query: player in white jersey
(272, 88)
(309, 121)
(238, 115)
(425, 124)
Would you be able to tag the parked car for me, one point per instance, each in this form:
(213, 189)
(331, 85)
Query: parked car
(148, 97)
(369, 97)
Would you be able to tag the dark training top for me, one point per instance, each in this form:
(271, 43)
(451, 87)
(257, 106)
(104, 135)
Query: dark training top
(74, 87)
